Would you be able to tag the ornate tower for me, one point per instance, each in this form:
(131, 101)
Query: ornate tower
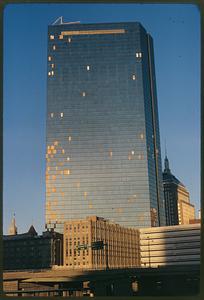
(13, 228)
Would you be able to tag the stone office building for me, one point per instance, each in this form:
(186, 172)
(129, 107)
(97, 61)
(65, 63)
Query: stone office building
(120, 246)
(32, 251)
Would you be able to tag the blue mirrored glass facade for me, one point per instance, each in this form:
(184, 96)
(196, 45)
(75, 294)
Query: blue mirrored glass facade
(103, 149)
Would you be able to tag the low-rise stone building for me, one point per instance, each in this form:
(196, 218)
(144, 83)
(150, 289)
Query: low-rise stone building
(95, 243)
(32, 251)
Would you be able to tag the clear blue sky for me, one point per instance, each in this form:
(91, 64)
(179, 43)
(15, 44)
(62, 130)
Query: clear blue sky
(176, 33)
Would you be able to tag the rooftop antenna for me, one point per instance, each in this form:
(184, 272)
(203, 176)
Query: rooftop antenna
(59, 21)
(75, 22)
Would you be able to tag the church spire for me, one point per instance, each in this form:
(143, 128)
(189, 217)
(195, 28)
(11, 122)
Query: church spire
(13, 228)
(166, 162)
(166, 165)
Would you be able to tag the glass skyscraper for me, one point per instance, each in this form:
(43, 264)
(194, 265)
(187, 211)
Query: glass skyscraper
(103, 146)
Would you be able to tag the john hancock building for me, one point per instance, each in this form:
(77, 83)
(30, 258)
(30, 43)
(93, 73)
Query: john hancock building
(103, 145)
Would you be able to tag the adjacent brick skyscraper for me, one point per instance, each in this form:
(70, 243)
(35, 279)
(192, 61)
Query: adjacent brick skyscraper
(103, 148)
